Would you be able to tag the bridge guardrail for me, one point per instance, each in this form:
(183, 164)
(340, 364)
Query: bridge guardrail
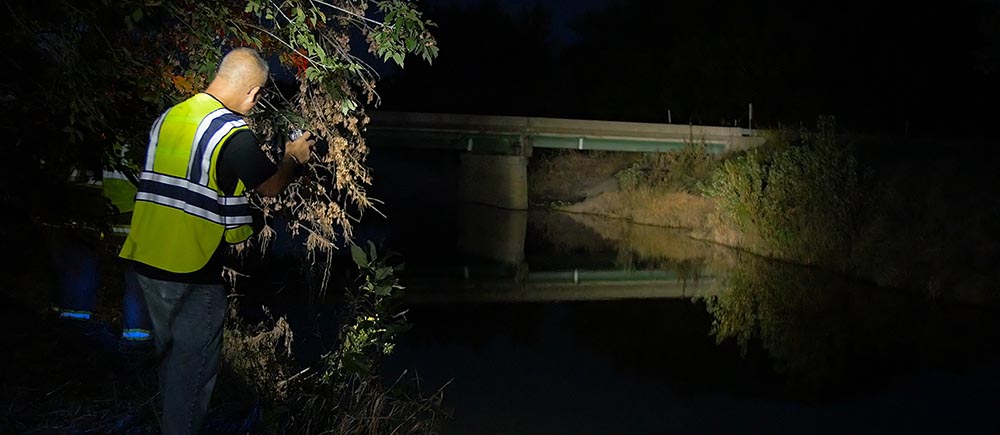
(511, 135)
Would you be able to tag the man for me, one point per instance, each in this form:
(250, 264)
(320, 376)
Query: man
(190, 205)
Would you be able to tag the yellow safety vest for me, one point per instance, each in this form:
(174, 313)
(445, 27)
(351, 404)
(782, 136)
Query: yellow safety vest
(181, 215)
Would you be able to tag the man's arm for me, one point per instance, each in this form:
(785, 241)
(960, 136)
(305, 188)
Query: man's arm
(296, 153)
(242, 159)
(280, 180)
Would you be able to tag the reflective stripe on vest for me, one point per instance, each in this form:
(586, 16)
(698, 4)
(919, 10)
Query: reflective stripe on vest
(181, 214)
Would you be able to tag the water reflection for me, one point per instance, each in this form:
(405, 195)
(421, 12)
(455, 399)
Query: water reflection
(827, 332)
(492, 233)
(558, 257)
(558, 323)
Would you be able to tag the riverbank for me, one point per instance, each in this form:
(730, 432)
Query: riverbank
(896, 218)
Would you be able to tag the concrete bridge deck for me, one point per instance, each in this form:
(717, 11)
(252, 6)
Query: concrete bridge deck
(515, 135)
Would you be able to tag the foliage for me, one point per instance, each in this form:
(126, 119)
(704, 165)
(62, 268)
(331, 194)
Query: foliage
(257, 355)
(67, 97)
(683, 170)
(801, 201)
(341, 392)
(87, 79)
(312, 39)
(372, 310)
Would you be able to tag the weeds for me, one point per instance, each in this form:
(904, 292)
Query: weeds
(341, 392)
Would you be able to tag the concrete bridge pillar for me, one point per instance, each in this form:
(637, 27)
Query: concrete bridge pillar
(497, 180)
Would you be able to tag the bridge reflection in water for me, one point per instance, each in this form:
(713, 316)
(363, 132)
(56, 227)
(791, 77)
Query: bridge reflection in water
(500, 271)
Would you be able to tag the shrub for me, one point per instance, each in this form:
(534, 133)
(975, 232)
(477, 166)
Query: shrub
(799, 202)
(679, 171)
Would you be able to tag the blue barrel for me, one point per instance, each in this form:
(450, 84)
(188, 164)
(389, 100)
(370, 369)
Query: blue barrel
(136, 325)
(76, 277)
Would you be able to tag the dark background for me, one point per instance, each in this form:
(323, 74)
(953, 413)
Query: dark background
(887, 68)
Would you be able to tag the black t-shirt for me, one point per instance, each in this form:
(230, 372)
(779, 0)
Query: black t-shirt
(240, 159)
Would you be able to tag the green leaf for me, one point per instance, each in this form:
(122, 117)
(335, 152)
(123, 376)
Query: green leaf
(347, 105)
(354, 364)
(371, 249)
(359, 256)
(383, 290)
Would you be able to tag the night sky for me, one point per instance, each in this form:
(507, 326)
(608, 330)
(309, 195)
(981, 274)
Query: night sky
(563, 12)
(893, 68)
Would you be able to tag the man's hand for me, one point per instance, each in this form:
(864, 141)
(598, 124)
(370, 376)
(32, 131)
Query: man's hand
(299, 149)
(296, 153)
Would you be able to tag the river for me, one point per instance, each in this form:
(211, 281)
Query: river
(540, 322)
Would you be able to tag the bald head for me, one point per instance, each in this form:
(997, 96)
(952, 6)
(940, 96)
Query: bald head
(243, 68)
(239, 80)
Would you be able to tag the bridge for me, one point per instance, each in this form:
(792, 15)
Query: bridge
(560, 285)
(496, 149)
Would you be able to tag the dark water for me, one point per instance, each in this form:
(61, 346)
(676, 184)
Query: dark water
(662, 334)
(551, 323)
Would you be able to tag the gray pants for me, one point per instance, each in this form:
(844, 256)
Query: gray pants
(187, 326)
